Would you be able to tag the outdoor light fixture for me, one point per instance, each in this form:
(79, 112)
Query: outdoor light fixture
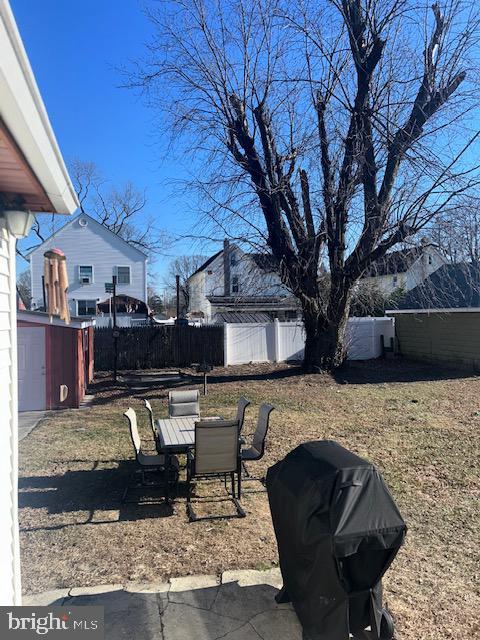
(18, 222)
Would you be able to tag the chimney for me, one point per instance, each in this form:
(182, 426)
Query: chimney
(226, 267)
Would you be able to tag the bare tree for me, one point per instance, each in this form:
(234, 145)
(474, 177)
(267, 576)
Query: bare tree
(326, 128)
(24, 288)
(183, 266)
(457, 231)
(117, 208)
(155, 301)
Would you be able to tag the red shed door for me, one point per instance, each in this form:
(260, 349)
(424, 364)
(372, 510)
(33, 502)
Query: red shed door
(31, 368)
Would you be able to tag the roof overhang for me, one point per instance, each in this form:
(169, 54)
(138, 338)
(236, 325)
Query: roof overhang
(443, 310)
(31, 165)
(40, 317)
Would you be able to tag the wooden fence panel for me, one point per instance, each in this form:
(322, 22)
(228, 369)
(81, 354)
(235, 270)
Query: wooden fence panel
(159, 346)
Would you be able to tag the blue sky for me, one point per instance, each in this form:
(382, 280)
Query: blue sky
(75, 48)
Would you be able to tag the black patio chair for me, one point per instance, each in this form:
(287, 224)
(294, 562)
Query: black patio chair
(148, 463)
(256, 450)
(243, 403)
(217, 455)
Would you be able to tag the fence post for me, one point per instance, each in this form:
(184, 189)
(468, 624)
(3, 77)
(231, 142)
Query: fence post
(225, 343)
(276, 340)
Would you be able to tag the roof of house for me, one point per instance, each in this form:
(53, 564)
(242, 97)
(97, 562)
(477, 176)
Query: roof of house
(238, 317)
(394, 262)
(452, 286)
(240, 299)
(74, 219)
(207, 263)
(264, 261)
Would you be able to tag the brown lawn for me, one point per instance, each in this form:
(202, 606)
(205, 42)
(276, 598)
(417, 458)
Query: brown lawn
(419, 426)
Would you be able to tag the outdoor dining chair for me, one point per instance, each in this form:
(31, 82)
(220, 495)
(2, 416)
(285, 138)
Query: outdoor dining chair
(243, 403)
(148, 463)
(148, 407)
(184, 404)
(256, 450)
(216, 455)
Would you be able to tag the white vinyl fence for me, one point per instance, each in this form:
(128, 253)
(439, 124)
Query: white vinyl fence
(122, 321)
(280, 341)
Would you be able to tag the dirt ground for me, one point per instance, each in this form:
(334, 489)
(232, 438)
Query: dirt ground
(419, 425)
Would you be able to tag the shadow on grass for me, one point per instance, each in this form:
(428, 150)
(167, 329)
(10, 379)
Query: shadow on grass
(381, 371)
(95, 491)
(141, 386)
(377, 371)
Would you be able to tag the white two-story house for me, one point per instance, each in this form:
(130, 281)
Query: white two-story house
(94, 254)
(404, 269)
(236, 286)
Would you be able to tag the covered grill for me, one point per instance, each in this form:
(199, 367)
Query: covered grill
(338, 530)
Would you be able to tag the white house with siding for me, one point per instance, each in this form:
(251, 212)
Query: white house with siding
(33, 178)
(94, 254)
(236, 286)
(404, 269)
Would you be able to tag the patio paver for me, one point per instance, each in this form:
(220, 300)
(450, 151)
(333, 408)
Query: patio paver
(238, 605)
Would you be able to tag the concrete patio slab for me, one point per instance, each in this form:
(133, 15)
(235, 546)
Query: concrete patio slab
(46, 599)
(27, 421)
(92, 591)
(239, 605)
(196, 591)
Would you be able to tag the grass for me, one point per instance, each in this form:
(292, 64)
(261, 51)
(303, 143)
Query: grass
(420, 427)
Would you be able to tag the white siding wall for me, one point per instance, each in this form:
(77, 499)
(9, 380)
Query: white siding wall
(10, 592)
(430, 261)
(91, 245)
(213, 282)
(386, 284)
(198, 302)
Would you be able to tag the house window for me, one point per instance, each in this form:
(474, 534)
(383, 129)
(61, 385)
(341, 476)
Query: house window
(395, 280)
(123, 275)
(430, 260)
(233, 260)
(85, 274)
(235, 284)
(209, 272)
(290, 315)
(86, 307)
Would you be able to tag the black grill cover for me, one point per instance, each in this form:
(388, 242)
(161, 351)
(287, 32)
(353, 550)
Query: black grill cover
(338, 529)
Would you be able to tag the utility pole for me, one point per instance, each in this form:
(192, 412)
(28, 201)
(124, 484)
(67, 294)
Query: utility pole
(115, 330)
(177, 281)
(44, 294)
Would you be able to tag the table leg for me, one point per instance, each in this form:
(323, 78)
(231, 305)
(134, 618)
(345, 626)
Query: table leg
(167, 477)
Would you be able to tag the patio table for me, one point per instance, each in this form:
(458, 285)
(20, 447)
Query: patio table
(176, 435)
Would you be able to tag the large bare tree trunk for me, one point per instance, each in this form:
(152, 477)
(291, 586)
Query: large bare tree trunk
(325, 333)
